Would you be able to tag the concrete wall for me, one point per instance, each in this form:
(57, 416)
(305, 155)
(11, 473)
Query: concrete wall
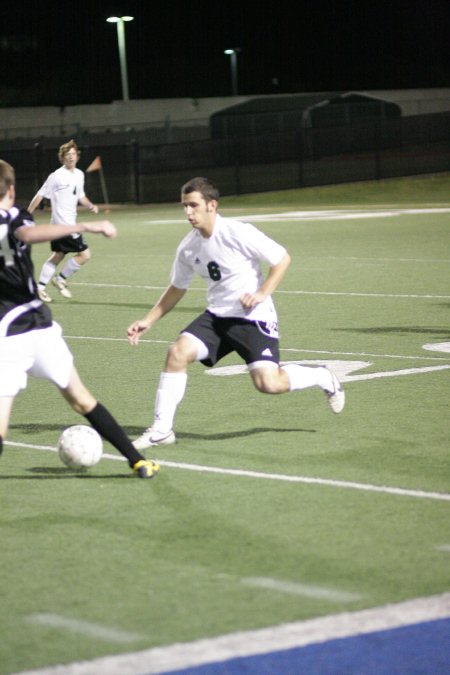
(100, 117)
(139, 114)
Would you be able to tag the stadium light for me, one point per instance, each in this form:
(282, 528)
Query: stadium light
(232, 53)
(120, 23)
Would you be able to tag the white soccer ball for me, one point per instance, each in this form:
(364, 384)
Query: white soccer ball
(80, 446)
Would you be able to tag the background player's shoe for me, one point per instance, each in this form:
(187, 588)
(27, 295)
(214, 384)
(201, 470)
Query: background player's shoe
(62, 287)
(146, 468)
(336, 398)
(150, 438)
(43, 295)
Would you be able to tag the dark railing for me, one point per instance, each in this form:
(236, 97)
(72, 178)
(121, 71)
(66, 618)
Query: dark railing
(140, 172)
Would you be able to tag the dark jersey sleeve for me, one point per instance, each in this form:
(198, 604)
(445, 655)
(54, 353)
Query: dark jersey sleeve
(20, 307)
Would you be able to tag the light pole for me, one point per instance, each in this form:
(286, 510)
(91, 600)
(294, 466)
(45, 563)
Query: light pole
(120, 21)
(232, 53)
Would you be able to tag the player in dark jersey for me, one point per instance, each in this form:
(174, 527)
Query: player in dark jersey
(30, 341)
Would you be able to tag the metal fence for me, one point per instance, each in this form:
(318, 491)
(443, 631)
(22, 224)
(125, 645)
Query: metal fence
(139, 172)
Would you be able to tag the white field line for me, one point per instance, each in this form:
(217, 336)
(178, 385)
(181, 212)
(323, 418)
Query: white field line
(283, 349)
(93, 630)
(364, 354)
(308, 480)
(421, 494)
(412, 296)
(394, 373)
(364, 259)
(245, 644)
(326, 214)
(347, 294)
(343, 214)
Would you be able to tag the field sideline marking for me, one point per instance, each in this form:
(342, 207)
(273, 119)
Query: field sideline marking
(244, 644)
(365, 487)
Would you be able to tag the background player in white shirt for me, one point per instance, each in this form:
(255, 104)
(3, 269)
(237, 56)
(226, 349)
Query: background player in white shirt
(65, 189)
(31, 343)
(240, 314)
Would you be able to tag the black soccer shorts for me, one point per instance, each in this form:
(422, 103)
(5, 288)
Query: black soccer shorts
(252, 340)
(69, 244)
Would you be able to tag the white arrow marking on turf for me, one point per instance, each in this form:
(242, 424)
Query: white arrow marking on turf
(341, 368)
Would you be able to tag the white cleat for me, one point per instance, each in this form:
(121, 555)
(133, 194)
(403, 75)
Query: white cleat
(336, 398)
(43, 295)
(61, 285)
(150, 438)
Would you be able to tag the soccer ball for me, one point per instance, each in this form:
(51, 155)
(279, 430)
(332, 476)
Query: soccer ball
(80, 446)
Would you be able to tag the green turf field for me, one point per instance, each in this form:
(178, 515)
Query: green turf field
(306, 514)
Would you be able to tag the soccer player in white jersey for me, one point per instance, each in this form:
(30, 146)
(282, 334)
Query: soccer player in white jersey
(65, 189)
(240, 314)
(31, 343)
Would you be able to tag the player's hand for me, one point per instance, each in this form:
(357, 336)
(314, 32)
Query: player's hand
(135, 331)
(104, 227)
(93, 208)
(249, 300)
(108, 229)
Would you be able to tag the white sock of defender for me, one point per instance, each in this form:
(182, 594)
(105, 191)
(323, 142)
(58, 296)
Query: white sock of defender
(302, 377)
(169, 394)
(47, 271)
(69, 268)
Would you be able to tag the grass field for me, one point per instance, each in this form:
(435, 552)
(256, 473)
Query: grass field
(268, 510)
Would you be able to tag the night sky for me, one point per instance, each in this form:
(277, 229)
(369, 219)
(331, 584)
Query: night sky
(65, 53)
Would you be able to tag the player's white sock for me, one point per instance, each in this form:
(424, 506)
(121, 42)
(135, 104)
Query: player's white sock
(302, 377)
(47, 271)
(70, 268)
(169, 394)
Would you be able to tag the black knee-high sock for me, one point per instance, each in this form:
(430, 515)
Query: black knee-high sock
(103, 422)
(1, 445)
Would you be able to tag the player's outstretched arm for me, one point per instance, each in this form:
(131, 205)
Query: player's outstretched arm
(48, 232)
(100, 227)
(166, 302)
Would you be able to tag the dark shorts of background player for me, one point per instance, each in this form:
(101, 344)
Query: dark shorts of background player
(223, 335)
(69, 245)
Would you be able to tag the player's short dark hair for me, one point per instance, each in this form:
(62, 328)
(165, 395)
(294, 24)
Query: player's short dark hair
(64, 149)
(203, 185)
(7, 177)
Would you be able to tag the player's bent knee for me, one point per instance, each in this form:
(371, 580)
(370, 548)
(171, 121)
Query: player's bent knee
(180, 354)
(268, 387)
(266, 378)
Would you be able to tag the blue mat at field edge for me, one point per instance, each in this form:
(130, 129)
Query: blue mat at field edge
(420, 649)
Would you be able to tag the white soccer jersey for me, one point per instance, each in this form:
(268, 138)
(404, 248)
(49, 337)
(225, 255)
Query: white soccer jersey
(230, 261)
(64, 188)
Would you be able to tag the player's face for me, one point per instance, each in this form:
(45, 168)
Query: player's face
(200, 214)
(71, 159)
